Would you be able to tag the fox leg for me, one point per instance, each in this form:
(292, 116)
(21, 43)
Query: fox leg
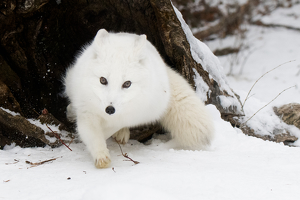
(92, 135)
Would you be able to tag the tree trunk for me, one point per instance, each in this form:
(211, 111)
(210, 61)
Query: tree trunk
(40, 38)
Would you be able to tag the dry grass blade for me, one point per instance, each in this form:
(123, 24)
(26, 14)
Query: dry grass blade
(260, 78)
(126, 155)
(267, 104)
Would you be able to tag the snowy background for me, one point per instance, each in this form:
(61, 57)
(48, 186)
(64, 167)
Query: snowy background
(235, 167)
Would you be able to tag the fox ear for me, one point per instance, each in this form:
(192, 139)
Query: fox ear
(140, 42)
(100, 37)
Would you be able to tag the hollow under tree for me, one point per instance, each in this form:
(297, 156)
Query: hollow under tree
(40, 38)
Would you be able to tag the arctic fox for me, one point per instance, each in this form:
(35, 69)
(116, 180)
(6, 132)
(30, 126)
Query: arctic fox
(121, 81)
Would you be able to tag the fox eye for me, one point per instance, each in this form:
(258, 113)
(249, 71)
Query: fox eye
(126, 84)
(103, 81)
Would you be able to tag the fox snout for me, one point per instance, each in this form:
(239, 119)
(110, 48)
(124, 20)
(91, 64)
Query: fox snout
(110, 110)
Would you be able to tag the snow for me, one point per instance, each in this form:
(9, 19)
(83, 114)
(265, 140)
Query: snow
(227, 102)
(10, 112)
(210, 63)
(235, 167)
(284, 16)
(201, 87)
(44, 126)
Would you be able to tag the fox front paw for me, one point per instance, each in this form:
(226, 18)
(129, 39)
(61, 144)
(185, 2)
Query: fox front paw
(101, 158)
(102, 162)
(122, 136)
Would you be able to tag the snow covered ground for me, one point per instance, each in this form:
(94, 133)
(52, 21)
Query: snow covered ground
(236, 166)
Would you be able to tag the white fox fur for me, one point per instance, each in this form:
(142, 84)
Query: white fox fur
(120, 81)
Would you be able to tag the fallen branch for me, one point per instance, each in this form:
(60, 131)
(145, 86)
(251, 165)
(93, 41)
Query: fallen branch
(126, 155)
(39, 163)
(260, 78)
(267, 104)
(57, 136)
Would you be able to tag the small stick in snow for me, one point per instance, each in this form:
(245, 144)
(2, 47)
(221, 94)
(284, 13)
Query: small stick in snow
(57, 136)
(260, 78)
(39, 163)
(267, 104)
(126, 155)
(16, 161)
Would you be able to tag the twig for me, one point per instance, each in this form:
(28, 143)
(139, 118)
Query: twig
(267, 104)
(44, 112)
(57, 136)
(16, 161)
(39, 163)
(126, 155)
(71, 141)
(36, 112)
(260, 78)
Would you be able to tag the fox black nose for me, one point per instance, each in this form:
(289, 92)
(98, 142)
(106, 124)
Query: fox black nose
(110, 110)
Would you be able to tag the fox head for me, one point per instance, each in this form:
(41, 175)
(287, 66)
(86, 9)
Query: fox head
(119, 76)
